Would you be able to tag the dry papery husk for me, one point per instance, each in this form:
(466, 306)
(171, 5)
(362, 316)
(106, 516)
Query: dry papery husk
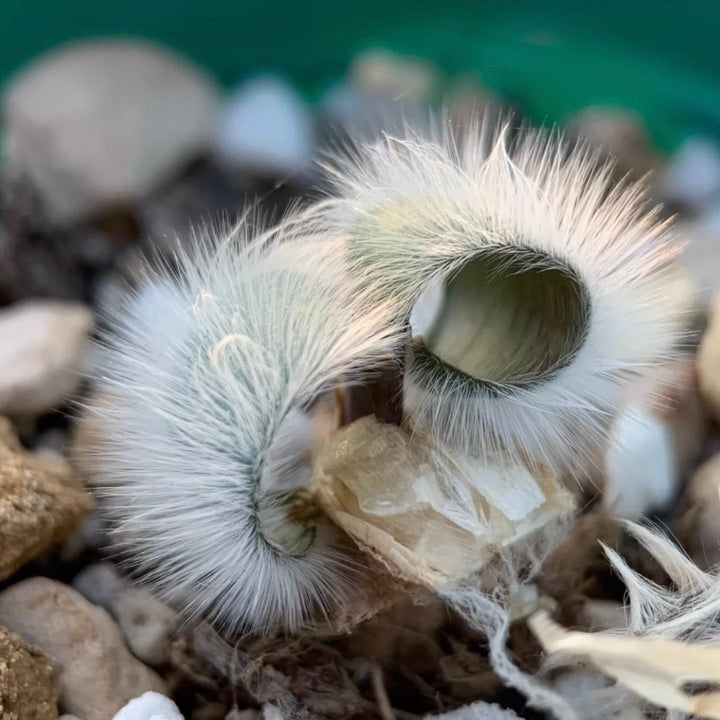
(663, 672)
(430, 519)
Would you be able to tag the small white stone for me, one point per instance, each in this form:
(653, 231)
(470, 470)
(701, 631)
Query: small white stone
(148, 625)
(266, 128)
(149, 706)
(693, 175)
(42, 347)
(640, 465)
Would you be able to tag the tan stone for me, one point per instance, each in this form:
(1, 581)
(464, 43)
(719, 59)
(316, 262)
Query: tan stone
(698, 528)
(100, 123)
(28, 690)
(40, 503)
(708, 363)
(97, 675)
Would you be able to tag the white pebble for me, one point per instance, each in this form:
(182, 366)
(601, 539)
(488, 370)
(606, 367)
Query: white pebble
(640, 465)
(693, 175)
(149, 706)
(267, 128)
(42, 344)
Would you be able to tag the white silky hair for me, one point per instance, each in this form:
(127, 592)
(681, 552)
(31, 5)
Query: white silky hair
(210, 370)
(417, 209)
(688, 610)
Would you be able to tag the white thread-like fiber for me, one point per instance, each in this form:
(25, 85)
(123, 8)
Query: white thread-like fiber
(211, 371)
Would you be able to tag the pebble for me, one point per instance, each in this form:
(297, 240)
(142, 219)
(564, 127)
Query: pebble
(380, 72)
(27, 681)
(148, 625)
(96, 673)
(40, 503)
(692, 177)
(266, 128)
(619, 134)
(699, 528)
(42, 345)
(700, 257)
(655, 442)
(130, 114)
(708, 363)
(639, 465)
(149, 706)
(101, 584)
(91, 534)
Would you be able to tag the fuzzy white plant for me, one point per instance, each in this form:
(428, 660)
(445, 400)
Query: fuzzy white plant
(535, 288)
(211, 370)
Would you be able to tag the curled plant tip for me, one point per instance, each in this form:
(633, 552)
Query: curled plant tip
(535, 288)
(214, 374)
(670, 654)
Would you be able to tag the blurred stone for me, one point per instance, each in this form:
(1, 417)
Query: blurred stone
(708, 363)
(91, 534)
(639, 465)
(692, 177)
(617, 133)
(40, 503)
(150, 706)
(654, 442)
(101, 584)
(96, 673)
(42, 344)
(129, 115)
(28, 690)
(148, 625)
(380, 72)
(266, 128)
(472, 106)
(700, 238)
(698, 528)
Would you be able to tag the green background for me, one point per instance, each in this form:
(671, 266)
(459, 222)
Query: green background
(660, 58)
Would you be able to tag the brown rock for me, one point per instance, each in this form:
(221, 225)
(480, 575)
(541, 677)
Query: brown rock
(97, 675)
(40, 503)
(28, 689)
(708, 363)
